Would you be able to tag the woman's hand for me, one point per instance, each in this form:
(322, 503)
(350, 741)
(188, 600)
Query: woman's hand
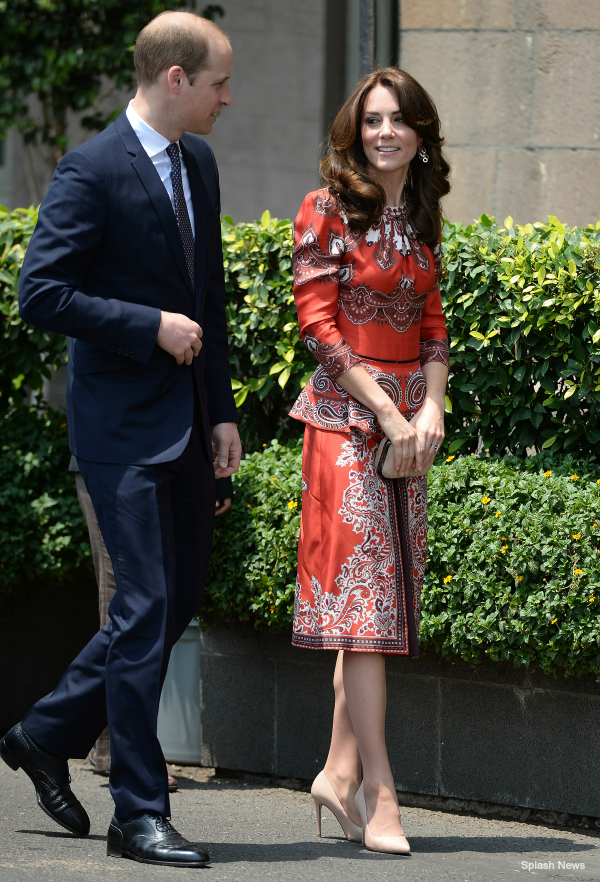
(404, 438)
(429, 426)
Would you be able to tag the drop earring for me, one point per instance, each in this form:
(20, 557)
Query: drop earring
(423, 155)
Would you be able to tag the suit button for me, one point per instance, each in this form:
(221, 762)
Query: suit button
(119, 351)
(111, 348)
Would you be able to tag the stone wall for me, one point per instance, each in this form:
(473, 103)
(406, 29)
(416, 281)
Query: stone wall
(492, 733)
(516, 85)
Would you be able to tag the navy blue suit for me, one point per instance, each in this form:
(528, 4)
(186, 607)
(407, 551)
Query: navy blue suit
(105, 258)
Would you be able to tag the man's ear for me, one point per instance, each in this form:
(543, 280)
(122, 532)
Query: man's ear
(175, 78)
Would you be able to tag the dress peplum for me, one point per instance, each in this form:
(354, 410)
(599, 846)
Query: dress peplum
(371, 298)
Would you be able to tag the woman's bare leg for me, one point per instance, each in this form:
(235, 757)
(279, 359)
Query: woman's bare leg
(343, 762)
(365, 694)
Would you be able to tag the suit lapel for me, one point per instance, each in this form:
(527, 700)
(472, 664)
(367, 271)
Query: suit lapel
(155, 189)
(202, 211)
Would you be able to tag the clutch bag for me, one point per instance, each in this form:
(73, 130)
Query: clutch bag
(384, 462)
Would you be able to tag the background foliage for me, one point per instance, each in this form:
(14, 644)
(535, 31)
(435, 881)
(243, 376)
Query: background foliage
(253, 562)
(28, 354)
(513, 557)
(42, 529)
(69, 56)
(523, 307)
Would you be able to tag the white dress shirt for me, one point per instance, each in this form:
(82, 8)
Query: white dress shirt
(155, 146)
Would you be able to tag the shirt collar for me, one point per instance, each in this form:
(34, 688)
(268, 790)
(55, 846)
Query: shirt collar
(151, 140)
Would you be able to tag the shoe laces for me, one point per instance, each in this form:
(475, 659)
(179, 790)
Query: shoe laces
(163, 825)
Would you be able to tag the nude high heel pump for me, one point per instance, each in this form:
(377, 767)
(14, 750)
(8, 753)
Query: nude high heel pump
(323, 794)
(387, 844)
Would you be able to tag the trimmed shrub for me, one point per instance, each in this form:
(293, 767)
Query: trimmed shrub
(28, 354)
(42, 529)
(252, 571)
(513, 568)
(523, 309)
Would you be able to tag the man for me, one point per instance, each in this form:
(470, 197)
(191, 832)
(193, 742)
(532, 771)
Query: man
(126, 259)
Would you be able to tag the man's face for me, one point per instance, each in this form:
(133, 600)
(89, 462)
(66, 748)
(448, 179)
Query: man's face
(202, 101)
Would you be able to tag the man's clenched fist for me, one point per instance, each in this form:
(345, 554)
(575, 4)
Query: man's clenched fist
(179, 336)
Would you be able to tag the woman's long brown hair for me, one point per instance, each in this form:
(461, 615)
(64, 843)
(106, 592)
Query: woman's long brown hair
(345, 168)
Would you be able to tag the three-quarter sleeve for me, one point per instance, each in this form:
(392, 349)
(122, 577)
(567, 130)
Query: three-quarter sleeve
(434, 336)
(319, 246)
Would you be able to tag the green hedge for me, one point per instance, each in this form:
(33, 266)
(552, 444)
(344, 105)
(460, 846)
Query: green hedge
(523, 309)
(524, 316)
(28, 354)
(513, 564)
(42, 530)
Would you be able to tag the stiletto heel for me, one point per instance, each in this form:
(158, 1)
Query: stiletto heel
(386, 844)
(324, 795)
(318, 810)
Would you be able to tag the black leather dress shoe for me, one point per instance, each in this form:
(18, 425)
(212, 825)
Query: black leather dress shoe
(51, 779)
(152, 840)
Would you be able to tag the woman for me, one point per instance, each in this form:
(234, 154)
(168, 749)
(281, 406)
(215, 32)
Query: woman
(367, 264)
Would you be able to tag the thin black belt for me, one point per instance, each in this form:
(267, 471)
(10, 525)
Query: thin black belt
(387, 360)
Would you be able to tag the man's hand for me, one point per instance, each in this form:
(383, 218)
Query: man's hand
(227, 449)
(222, 505)
(179, 336)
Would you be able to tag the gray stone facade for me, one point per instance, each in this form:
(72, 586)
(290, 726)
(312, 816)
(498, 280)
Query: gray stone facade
(515, 85)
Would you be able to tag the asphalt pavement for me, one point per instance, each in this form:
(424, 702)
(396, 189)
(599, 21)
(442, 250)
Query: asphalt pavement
(254, 831)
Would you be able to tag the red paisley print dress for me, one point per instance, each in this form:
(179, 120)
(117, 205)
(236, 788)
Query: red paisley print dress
(371, 299)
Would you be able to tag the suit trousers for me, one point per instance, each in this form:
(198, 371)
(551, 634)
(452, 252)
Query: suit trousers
(157, 522)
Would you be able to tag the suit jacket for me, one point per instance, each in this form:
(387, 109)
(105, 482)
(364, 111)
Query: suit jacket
(105, 258)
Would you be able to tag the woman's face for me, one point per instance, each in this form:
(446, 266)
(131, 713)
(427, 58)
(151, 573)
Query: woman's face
(389, 144)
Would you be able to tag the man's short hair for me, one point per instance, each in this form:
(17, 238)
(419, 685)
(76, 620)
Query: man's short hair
(173, 39)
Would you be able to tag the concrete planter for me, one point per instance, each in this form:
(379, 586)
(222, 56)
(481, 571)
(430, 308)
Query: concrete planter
(492, 733)
(179, 711)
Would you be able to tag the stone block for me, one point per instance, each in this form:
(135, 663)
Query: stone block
(473, 183)
(237, 712)
(520, 747)
(304, 709)
(556, 14)
(566, 108)
(412, 731)
(479, 82)
(484, 750)
(456, 14)
(535, 183)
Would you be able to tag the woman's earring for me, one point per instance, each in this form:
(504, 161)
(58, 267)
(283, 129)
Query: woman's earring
(423, 155)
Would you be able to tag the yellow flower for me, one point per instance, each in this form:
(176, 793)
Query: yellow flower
(554, 621)
(472, 454)
(574, 477)
(598, 481)
(576, 535)
(272, 610)
(447, 579)
(498, 513)
(504, 538)
(578, 572)
(518, 578)
(273, 479)
(248, 506)
(592, 598)
(485, 499)
(264, 445)
(450, 458)
(292, 503)
(503, 549)
(548, 473)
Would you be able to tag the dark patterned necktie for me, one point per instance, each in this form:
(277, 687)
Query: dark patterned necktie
(181, 212)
